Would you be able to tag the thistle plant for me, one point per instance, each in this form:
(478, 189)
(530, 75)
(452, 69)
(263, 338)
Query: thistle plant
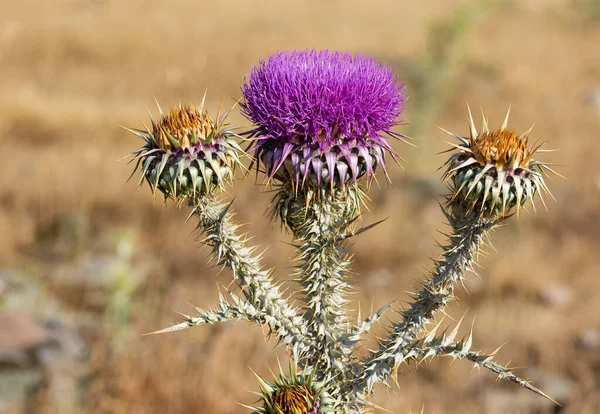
(321, 124)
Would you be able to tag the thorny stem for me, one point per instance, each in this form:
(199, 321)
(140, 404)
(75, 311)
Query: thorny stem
(468, 233)
(443, 345)
(485, 361)
(318, 226)
(224, 313)
(274, 311)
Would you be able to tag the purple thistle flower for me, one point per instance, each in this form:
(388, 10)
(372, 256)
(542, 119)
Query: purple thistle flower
(318, 112)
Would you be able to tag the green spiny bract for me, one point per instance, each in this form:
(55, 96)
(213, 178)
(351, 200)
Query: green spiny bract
(493, 171)
(187, 153)
(291, 205)
(294, 394)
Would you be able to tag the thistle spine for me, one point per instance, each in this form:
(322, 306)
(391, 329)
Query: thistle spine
(362, 327)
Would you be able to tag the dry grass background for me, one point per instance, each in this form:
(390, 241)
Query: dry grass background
(72, 71)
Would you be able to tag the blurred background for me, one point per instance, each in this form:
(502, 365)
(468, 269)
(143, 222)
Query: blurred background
(88, 263)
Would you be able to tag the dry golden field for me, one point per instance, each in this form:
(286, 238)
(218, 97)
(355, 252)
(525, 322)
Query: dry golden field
(88, 264)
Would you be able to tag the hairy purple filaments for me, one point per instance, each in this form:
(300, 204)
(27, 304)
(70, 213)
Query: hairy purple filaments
(327, 114)
(315, 408)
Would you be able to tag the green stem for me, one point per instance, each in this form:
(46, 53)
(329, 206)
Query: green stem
(215, 221)
(469, 231)
(319, 223)
(443, 345)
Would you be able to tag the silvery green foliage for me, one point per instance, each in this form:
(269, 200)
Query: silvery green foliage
(320, 338)
(262, 300)
(319, 227)
(469, 230)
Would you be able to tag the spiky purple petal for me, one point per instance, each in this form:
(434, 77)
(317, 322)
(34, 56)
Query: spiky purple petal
(332, 107)
(314, 96)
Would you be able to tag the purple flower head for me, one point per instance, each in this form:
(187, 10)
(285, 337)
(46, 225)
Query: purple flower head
(324, 107)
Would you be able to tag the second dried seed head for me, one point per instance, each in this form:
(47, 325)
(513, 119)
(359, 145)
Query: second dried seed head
(187, 153)
(493, 171)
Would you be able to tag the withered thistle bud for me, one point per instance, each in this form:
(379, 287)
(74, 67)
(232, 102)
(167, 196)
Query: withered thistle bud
(187, 153)
(493, 171)
(293, 394)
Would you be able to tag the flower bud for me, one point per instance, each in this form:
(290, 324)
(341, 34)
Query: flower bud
(187, 153)
(293, 394)
(493, 171)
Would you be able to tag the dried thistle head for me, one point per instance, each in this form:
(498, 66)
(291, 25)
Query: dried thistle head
(183, 126)
(187, 152)
(293, 394)
(493, 171)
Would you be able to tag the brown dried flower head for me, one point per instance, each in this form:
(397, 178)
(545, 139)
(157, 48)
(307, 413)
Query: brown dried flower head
(187, 153)
(293, 394)
(493, 171)
(177, 128)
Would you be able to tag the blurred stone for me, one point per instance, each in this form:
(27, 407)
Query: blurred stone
(36, 354)
(19, 336)
(590, 339)
(592, 98)
(68, 345)
(17, 384)
(556, 295)
(64, 363)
